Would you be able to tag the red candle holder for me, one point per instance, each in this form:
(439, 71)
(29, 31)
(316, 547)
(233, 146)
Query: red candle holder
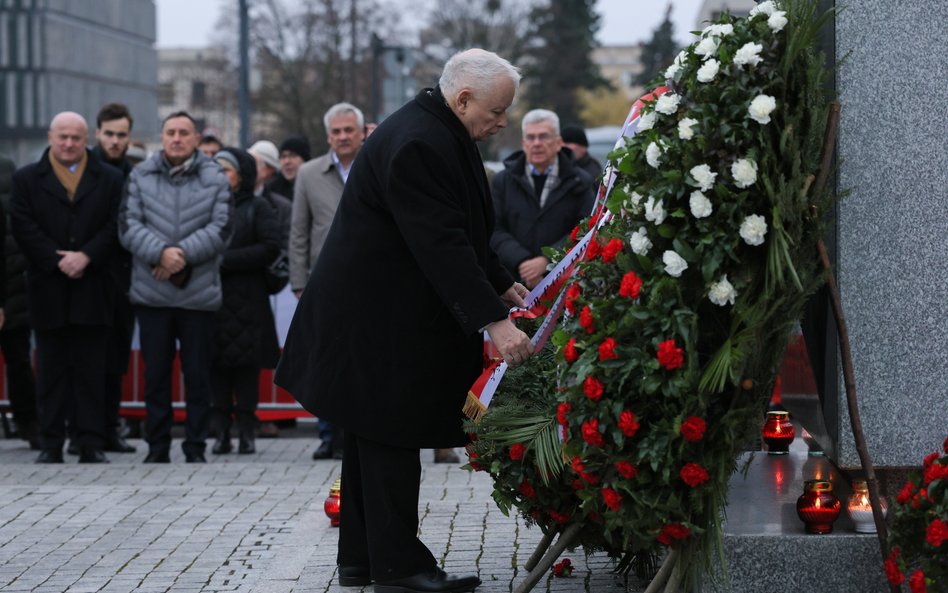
(818, 507)
(778, 432)
(333, 503)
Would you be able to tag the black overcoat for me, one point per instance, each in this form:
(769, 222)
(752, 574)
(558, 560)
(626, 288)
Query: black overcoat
(44, 220)
(385, 340)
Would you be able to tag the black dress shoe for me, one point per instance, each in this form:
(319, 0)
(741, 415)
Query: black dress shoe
(446, 456)
(119, 445)
(337, 453)
(50, 456)
(194, 458)
(73, 448)
(435, 581)
(323, 451)
(158, 457)
(222, 446)
(246, 447)
(92, 456)
(354, 576)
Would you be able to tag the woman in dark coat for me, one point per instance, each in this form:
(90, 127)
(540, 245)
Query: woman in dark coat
(245, 334)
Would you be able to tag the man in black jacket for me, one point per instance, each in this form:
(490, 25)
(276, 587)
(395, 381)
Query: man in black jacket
(539, 197)
(389, 345)
(64, 218)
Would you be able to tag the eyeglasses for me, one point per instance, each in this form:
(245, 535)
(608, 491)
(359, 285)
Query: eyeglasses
(543, 137)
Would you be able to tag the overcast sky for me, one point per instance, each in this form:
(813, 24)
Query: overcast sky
(188, 23)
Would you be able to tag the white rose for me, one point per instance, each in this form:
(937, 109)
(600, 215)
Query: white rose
(703, 176)
(700, 205)
(707, 47)
(753, 229)
(777, 21)
(639, 241)
(707, 72)
(667, 103)
(748, 54)
(767, 8)
(674, 264)
(744, 172)
(647, 121)
(685, 131)
(722, 292)
(654, 211)
(761, 108)
(653, 155)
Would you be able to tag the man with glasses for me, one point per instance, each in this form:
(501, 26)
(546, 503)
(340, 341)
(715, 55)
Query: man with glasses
(538, 198)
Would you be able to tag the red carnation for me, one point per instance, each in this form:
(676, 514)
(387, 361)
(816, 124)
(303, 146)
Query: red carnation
(930, 458)
(561, 411)
(627, 423)
(574, 235)
(892, 572)
(516, 451)
(612, 499)
(569, 351)
(692, 429)
(471, 455)
(526, 488)
(593, 250)
(607, 350)
(563, 568)
(936, 533)
(906, 494)
(577, 484)
(572, 293)
(592, 387)
(917, 582)
(611, 250)
(670, 356)
(626, 469)
(559, 517)
(586, 320)
(935, 471)
(673, 531)
(591, 433)
(630, 286)
(945, 446)
(694, 475)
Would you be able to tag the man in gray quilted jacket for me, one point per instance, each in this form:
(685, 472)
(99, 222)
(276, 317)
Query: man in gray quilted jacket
(175, 219)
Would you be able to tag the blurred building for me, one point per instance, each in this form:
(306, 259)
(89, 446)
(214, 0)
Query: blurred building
(711, 9)
(68, 55)
(621, 65)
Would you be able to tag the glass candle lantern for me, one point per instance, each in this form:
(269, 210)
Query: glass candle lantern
(860, 509)
(333, 502)
(778, 432)
(818, 507)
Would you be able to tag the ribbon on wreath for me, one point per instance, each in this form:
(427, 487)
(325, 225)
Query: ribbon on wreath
(551, 288)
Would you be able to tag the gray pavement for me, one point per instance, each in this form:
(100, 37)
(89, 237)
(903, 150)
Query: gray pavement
(240, 523)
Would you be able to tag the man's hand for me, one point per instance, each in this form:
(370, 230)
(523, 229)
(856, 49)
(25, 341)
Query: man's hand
(513, 296)
(513, 344)
(72, 263)
(533, 270)
(172, 259)
(298, 293)
(160, 273)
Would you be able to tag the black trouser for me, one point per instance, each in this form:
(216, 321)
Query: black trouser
(240, 383)
(119, 349)
(70, 370)
(21, 383)
(378, 526)
(159, 327)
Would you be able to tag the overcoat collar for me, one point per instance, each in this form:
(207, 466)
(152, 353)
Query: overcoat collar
(52, 185)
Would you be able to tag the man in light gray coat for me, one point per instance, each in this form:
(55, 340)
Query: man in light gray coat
(175, 219)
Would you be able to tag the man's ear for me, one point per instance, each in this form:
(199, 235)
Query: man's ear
(462, 100)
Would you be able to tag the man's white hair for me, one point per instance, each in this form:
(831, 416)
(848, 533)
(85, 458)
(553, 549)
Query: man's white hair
(538, 115)
(341, 109)
(476, 69)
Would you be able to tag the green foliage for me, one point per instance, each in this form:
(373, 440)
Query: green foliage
(658, 52)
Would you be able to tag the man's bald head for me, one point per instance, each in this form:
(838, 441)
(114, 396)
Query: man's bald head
(68, 134)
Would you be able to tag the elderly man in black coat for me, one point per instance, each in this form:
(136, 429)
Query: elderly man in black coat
(386, 339)
(63, 210)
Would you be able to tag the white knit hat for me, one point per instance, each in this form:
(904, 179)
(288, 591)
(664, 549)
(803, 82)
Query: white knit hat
(267, 151)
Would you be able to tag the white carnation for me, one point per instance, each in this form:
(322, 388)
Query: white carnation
(766, 8)
(672, 71)
(722, 292)
(708, 71)
(653, 154)
(748, 54)
(639, 241)
(761, 108)
(667, 103)
(707, 47)
(753, 229)
(685, 128)
(703, 176)
(719, 30)
(674, 264)
(647, 121)
(654, 211)
(777, 21)
(744, 172)
(635, 197)
(700, 205)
